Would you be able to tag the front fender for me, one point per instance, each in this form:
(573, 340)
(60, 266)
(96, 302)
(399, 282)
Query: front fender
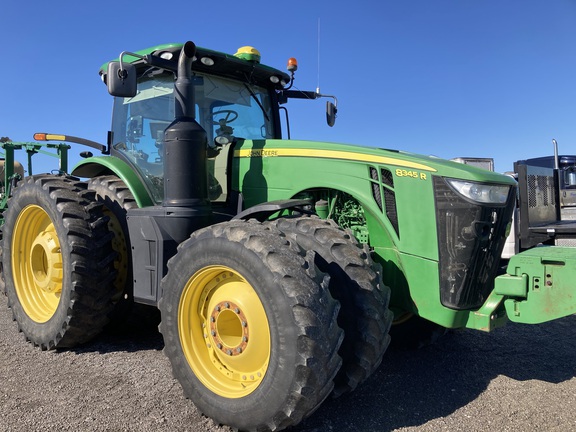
(107, 165)
(263, 211)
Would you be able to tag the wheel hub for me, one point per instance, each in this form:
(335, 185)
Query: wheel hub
(229, 328)
(46, 263)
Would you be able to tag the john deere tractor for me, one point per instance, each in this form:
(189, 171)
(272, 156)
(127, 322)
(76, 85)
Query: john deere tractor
(280, 267)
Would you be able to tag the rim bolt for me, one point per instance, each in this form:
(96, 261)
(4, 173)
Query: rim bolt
(229, 352)
(227, 305)
(217, 308)
(212, 319)
(237, 310)
(244, 339)
(244, 323)
(219, 345)
(213, 332)
(238, 350)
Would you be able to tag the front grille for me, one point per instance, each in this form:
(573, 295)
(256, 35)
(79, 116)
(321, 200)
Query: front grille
(470, 241)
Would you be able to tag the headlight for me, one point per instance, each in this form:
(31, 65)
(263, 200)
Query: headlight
(481, 192)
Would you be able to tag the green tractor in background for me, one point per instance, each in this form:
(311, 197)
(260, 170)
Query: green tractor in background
(280, 267)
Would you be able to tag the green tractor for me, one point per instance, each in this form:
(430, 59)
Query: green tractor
(281, 268)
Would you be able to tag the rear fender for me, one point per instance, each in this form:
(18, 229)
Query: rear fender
(111, 165)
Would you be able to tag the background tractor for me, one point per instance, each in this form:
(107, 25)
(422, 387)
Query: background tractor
(280, 267)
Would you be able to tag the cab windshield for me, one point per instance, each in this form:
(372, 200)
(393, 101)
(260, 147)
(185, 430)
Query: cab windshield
(225, 108)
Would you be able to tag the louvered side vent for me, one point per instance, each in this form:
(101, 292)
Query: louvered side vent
(390, 198)
(387, 177)
(383, 187)
(376, 194)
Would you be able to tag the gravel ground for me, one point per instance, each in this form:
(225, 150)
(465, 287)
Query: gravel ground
(518, 378)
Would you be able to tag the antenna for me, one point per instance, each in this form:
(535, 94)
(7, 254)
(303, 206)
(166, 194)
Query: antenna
(318, 54)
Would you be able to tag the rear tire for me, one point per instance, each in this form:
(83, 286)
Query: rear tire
(2, 279)
(117, 199)
(356, 282)
(249, 328)
(57, 259)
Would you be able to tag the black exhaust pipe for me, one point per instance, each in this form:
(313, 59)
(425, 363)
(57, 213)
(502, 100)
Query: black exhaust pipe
(185, 143)
(156, 232)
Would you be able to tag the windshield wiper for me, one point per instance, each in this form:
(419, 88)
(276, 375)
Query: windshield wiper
(257, 101)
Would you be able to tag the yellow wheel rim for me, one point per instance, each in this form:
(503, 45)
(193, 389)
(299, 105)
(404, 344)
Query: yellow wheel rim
(119, 246)
(36, 263)
(224, 331)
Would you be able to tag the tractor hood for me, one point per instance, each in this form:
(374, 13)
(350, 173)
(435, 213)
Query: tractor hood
(378, 156)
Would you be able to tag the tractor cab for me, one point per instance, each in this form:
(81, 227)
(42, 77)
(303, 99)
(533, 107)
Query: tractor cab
(233, 100)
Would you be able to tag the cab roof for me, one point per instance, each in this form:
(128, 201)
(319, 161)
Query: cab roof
(222, 64)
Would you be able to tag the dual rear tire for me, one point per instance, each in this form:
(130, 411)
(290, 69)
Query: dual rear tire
(57, 261)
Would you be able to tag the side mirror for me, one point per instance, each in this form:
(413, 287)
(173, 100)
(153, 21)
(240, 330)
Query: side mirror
(331, 111)
(121, 79)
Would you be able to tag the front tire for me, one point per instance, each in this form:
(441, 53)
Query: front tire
(57, 260)
(249, 329)
(356, 282)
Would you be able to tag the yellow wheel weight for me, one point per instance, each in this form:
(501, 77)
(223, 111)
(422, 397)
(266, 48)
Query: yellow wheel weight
(224, 331)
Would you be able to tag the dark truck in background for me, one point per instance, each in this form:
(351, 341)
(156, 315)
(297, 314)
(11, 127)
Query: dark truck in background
(546, 203)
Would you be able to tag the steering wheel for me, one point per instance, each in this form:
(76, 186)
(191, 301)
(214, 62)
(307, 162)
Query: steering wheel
(229, 117)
